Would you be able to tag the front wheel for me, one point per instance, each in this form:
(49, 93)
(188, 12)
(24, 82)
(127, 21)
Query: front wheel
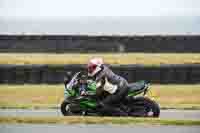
(144, 107)
(65, 108)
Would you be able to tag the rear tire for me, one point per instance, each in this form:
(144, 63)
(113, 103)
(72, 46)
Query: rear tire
(153, 106)
(150, 108)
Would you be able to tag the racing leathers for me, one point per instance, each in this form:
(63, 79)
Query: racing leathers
(116, 87)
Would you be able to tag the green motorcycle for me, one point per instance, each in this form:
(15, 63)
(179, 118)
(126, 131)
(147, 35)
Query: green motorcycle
(135, 104)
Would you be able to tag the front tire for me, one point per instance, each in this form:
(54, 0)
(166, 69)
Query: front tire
(69, 109)
(65, 108)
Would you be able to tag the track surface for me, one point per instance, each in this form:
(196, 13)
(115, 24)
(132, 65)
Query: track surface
(166, 114)
(52, 128)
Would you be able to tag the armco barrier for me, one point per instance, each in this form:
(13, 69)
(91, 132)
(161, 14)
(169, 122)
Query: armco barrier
(37, 74)
(85, 44)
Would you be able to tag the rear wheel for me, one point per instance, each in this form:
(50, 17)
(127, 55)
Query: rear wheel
(144, 107)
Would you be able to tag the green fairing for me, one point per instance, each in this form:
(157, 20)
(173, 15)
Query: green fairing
(70, 93)
(134, 93)
(140, 84)
(91, 87)
(88, 104)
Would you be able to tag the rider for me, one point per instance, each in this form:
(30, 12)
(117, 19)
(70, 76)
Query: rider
(107, 81)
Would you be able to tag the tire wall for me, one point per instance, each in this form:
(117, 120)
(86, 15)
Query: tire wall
(37, 74)
(86, 44)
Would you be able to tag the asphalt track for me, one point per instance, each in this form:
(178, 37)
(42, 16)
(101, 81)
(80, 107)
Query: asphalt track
(53, 128)
(165, 114)
(78, 128)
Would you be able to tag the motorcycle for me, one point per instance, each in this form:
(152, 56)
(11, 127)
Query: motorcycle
(135, 104)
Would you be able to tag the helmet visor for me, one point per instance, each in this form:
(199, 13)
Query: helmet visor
(91, 68)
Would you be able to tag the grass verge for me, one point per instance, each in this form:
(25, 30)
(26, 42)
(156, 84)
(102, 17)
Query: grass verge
(50, 96)
(97, 120)
(110, 58)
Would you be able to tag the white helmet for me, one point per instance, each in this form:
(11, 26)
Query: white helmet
(94, 66)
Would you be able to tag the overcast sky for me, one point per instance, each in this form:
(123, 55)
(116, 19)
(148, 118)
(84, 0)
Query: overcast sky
(12, 12)
(65, 8)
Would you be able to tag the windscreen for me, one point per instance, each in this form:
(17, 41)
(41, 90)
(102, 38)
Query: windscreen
(73, 81)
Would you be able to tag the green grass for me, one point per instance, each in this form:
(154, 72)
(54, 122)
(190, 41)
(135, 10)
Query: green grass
(177, 96)
(110, 58)
(50, 96)
(97, 120)
(30, 96)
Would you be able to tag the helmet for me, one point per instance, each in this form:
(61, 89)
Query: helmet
(94, 66)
